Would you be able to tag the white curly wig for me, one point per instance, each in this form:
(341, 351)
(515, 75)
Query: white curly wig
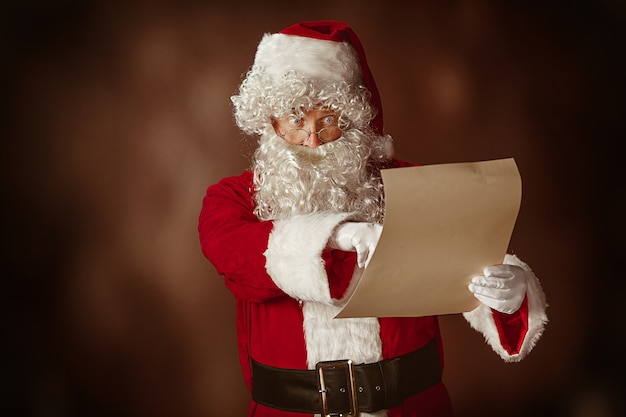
(262, 97)
(293, 73)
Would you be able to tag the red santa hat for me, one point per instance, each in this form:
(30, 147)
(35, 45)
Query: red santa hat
(324, 49)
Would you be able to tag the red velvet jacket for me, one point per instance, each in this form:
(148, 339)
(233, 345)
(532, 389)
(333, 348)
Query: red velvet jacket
(286, 301)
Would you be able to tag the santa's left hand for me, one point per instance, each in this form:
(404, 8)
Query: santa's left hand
(359, 237)
(502, 287)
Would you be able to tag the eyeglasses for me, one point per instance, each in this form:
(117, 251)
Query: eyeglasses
(299, 136)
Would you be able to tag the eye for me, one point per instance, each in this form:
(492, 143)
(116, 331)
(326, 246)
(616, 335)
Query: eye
(329, 119)
(295, 121)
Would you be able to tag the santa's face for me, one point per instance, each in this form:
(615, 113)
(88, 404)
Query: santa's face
(339, 176)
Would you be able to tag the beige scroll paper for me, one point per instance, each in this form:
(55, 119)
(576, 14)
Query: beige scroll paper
(443, 224)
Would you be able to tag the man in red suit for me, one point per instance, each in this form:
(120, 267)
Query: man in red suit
(291, 235)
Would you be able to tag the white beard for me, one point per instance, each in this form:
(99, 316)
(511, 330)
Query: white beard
(340, 176)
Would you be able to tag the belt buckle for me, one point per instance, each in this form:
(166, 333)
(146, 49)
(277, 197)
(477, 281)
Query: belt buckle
(347, 364)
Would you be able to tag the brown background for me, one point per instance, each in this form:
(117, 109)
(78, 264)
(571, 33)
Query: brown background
(116, 118)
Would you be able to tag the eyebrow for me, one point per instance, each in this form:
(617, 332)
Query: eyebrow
(332, 113)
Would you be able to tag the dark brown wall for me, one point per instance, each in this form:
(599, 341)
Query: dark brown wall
(117, 118)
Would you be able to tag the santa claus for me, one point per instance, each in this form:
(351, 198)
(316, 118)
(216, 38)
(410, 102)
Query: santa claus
(293, 234)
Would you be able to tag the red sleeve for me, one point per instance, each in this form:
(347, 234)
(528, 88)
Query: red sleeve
(234, 240)
(512, 328)
(398, 163)
(339, 269)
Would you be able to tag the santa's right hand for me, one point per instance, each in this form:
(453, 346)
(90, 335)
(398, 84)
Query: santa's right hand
(359, 237)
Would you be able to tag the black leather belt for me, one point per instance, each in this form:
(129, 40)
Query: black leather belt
(340, 387)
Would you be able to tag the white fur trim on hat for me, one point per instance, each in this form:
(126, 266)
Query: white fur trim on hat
(279, 53)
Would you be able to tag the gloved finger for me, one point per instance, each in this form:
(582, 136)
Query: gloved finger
(361, 250)
(502, 306)
(493, 293)
(491, 282)
(365, 242)
(370, 253)
(362, 256)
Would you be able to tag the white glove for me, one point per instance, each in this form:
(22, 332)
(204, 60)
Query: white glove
(357, 237)
(503, 287)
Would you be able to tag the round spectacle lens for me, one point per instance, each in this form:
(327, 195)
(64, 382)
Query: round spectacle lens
(298, 136)
(328, 134)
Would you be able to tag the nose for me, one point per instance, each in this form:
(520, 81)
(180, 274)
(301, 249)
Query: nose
(313, 141)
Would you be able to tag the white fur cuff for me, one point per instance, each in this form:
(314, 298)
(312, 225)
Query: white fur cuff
(481, 318)
(293, 255)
